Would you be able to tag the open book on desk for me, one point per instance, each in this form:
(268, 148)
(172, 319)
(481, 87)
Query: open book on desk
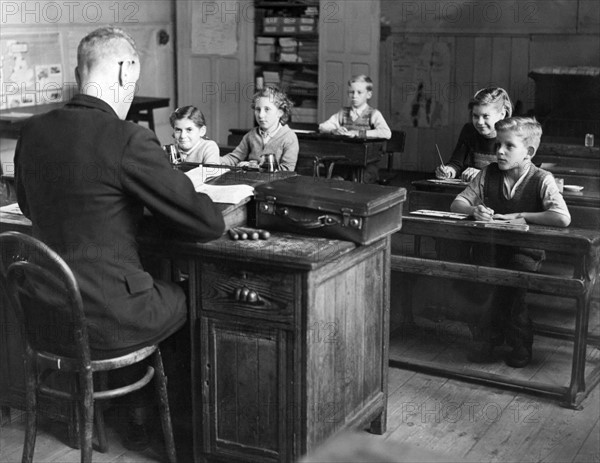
(228, 194)
(231, 200)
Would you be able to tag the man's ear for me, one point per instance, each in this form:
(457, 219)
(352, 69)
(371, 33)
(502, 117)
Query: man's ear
(202, 131)
(127, 73)
(530, 151)
(77, 77)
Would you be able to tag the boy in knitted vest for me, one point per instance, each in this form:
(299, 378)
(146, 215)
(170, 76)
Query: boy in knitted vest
(510, 188)
(359, 120)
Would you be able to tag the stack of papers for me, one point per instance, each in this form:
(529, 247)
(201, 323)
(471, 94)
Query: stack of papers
(228, 194)
(11, 209)
(441, 214)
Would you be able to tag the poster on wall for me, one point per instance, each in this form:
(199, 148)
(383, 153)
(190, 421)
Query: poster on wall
(31, 69)
(214, 27)
(421, 86)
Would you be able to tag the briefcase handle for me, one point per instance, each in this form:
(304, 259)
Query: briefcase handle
(318, 222)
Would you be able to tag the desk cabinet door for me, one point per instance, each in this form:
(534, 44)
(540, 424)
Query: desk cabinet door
(246, 374)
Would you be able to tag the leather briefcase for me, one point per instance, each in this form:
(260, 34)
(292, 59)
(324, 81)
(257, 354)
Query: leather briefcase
(330, 208)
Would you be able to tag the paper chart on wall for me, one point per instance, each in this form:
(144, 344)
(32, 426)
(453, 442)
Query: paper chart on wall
(421, 86)
(214, 29)
(31, 69)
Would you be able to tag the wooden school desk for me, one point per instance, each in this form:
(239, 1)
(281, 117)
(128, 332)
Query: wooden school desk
(583, 205)
(355, 153)
(271, 379)
(581, 250)
(12, 119)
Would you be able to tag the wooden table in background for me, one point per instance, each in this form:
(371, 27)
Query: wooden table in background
(141, 110)
(356, 153)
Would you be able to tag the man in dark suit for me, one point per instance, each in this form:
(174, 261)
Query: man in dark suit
(84, 176)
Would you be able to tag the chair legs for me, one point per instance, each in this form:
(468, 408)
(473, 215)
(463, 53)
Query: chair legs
(99, 415)
(160, 381)
(85, 414)
(31, 412)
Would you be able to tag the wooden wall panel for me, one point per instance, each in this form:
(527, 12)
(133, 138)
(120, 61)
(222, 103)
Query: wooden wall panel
(498, 53)
(506, 17)
(333, 87)
(218, 83)
(521, 87)
(483, 55)
(564, 50)
(348, 45)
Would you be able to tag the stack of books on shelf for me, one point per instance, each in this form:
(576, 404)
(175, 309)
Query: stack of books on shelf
(271, 78)
(304, 113)
(312, 10)
(265, 49)
(288, 50)
(308, 51)
(303, 82)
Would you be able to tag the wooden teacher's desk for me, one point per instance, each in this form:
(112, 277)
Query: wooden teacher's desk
(272, 376)
(580, 249)
(355, 153)
(12, 119)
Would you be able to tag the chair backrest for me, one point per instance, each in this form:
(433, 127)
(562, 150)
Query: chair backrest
(45, 297)
(396, 143)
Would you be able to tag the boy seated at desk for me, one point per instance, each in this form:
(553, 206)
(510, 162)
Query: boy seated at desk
(511, 188)
(359, 120)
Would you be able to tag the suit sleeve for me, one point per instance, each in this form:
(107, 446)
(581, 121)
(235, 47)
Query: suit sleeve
(167, 193)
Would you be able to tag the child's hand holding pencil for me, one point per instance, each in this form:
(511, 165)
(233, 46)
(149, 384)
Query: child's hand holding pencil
(443, 171)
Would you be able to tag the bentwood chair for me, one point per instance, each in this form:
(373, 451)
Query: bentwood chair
(48, 305)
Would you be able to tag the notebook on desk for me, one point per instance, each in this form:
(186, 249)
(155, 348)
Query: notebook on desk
(440, 214)
(508, 224)
(448, 181)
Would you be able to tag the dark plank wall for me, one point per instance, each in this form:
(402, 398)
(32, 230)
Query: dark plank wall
(492, 43)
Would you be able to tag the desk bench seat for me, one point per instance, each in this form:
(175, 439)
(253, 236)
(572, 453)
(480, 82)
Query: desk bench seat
(571, 272)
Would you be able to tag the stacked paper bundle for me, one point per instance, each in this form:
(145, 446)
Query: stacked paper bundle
(308, 51)
(288, 50)
(265, 48)
(271, 78)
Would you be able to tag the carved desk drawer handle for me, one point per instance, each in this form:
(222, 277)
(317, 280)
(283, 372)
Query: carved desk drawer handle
(245, 294)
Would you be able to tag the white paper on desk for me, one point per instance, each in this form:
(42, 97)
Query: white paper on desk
(11, 209)
(229, 194)
(199, 175)
(17, 114)
(441, 214)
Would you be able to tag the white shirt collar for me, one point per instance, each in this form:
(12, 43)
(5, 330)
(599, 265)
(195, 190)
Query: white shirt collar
(508, 192)
(270, 134)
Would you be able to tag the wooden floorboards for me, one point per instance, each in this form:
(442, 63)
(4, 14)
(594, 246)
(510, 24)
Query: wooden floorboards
(457, 420)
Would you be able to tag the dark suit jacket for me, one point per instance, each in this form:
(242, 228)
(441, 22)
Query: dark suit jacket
(83, 177)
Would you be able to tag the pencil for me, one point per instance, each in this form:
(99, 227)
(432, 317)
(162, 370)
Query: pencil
(439, 154)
